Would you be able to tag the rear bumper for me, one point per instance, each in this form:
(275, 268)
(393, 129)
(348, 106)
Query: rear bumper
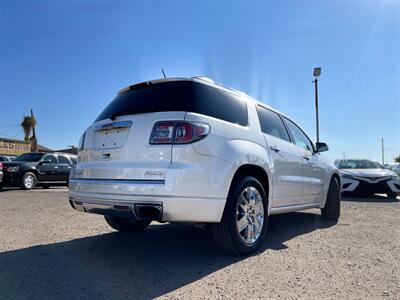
(119, 197)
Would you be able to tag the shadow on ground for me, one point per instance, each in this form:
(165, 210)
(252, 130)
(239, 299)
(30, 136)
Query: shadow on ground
(370, 199)
(36, 189)
(150, 264)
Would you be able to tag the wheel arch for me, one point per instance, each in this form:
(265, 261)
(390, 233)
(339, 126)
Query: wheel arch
(31, 170)
(256, 171)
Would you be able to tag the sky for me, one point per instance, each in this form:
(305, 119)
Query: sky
(66, 60)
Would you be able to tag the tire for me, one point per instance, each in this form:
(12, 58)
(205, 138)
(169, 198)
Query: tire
(227, 234)
(126, 225)
(391, 195)
(28, 181)
(331, 210)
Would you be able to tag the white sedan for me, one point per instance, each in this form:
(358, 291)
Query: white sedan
(366, 177)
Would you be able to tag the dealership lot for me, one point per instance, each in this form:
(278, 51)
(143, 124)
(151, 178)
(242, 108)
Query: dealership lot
(48, 250)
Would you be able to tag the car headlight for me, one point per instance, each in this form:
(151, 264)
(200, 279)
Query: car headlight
(394, 176)
(13, 169)
(348, 176)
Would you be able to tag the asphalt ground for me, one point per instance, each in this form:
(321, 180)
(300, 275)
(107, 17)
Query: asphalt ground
(50, 251)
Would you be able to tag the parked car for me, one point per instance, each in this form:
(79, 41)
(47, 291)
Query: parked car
(189, 150)
(6, 158)
(366, 177)
(1, 175)
(44, 169)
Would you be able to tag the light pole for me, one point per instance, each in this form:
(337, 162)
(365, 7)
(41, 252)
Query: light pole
(317, 72)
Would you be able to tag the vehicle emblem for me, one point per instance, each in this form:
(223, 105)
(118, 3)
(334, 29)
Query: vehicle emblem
(153, 173)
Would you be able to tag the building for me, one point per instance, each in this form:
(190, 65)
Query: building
(70, 150)
(12, 147)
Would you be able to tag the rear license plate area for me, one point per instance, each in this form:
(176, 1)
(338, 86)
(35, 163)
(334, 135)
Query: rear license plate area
(110, 138)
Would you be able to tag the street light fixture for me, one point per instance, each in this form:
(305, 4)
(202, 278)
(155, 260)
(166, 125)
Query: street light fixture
(317, 72)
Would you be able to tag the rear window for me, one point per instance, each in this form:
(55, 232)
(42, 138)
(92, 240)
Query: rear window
(179, 96)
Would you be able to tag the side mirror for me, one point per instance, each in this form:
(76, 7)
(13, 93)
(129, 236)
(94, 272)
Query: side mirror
(321, 147)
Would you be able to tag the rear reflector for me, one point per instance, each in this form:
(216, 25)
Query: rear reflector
(178, 132)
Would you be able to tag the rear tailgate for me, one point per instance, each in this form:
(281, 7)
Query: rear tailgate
(120, 149)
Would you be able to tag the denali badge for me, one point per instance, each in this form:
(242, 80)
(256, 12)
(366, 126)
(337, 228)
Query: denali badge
(153, 173)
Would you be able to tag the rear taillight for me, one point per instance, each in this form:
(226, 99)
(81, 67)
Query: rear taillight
(188, 132)
(162, 133)
(1, 166)
(178, 132)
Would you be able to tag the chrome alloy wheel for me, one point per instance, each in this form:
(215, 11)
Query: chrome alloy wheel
(29, 181)
(250, 215)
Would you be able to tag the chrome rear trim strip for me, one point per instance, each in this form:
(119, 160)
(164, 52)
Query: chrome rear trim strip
(114, 125)
(114, 181)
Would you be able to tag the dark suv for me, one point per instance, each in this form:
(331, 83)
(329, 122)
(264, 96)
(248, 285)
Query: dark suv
(44, 169)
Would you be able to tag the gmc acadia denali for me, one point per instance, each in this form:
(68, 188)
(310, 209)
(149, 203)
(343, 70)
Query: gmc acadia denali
(189, 150)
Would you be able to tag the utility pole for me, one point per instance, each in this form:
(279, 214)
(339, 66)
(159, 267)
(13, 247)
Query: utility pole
(344, 155)
(317, 72)
(383, 153)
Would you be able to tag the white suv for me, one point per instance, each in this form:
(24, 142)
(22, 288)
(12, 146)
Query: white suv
(188, 150)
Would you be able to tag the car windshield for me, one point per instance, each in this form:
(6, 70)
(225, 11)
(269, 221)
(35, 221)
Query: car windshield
(358, 164)
(31, 157)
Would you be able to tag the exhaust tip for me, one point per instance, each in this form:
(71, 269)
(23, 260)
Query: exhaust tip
(151, 212)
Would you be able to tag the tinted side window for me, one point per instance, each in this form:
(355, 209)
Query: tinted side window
(300, 139)
(74, 160)
(51, 157)
(219, 104)
(179, 96)
(272, 124)
(63, 160)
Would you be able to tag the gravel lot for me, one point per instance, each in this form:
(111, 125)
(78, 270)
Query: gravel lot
(48, 250)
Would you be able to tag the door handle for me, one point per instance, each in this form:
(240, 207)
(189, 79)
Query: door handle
(55, 167)
(274, 148)
(306, 157)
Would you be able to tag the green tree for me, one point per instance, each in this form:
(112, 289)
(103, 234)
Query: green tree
(397, 159)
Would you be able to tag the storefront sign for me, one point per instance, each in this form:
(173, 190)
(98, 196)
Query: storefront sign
(14, 147)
